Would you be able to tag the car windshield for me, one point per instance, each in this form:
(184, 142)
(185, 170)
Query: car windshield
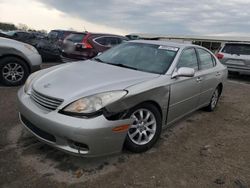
(140, 56)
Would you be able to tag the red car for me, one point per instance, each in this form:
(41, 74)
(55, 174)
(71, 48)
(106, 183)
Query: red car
(87, 45)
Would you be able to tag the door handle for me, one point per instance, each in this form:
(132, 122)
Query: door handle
(199, 79)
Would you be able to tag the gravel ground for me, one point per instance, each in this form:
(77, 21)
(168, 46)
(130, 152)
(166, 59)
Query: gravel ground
(203, 150)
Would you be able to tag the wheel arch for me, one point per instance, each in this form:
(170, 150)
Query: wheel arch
(220, 86)
(154, 103)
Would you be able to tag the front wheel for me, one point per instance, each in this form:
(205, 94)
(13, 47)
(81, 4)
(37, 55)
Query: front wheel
(145, 130)
(13, 71)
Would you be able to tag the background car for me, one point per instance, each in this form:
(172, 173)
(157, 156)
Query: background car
(17, 61)
(123, 97)
(236, 56)
(87, 45)
(58, 35)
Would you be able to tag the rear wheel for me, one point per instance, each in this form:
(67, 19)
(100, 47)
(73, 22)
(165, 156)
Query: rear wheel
(13, 71)
(145, 130)
(214, 100)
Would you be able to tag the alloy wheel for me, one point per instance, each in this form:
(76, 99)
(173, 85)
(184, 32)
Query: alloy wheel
(215, 99)
(13, 72)
(143, 128)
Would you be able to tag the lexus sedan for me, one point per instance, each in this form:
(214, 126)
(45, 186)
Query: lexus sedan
(121, 98)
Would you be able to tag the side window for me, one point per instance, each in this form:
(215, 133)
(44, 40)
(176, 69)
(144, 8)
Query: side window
(121, 40)
(206, 59)
(188, 59)
(107, 41)
(101, 41)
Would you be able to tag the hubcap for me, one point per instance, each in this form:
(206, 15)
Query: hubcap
(143, 128)
(13, 72)
(215, 98)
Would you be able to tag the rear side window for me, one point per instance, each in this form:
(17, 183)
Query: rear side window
(206, 59)
(188, 59)
(108, 41)
(76, 37)
(240, 49)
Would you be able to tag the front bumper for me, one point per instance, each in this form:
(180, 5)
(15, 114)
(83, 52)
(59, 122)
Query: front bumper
(88, 137)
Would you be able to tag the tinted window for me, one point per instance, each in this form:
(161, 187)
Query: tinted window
(111, 41)
(242, 49)
(206, 59)
(108, 41)
(120, 40)
(76, 37)
(101, 41)
(143, 57)
(188, 59)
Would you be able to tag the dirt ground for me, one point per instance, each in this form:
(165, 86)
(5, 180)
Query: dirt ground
(204, 150)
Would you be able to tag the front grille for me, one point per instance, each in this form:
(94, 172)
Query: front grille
(49, 103)
(38, 131)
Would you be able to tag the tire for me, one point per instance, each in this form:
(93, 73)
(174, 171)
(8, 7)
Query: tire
(214, 100)
(13, 71)
(139, 129)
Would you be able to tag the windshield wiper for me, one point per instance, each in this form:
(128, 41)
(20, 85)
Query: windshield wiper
(115, 64)
(122, 65)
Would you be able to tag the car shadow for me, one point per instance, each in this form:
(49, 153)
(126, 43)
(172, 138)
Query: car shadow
(239, 77)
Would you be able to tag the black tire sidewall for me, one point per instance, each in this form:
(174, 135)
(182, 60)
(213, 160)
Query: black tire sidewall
(129, 144)
(209, 107)
(7, 60)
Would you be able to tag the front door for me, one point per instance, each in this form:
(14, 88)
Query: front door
(185, 91)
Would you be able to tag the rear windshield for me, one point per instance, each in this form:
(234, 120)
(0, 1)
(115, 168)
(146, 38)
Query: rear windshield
(76, 37)
(240, 49)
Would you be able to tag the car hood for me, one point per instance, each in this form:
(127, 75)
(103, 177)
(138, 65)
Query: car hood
(86, 78)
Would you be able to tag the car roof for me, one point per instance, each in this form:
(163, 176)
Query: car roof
(104, 34)
(164, 43)
(237, 43)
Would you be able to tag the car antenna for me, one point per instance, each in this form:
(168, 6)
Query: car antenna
(85, 29)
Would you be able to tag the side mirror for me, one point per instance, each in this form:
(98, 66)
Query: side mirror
(184, 72)
(99, 53)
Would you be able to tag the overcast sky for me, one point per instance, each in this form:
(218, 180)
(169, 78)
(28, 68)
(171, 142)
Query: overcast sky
(189, 17)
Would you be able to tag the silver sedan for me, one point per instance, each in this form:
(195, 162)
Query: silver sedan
(121, 98)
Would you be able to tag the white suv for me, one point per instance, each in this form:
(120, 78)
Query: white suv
(236, 56)
(17, 61)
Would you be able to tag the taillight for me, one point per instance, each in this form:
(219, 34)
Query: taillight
(86, 43)
(219, 56)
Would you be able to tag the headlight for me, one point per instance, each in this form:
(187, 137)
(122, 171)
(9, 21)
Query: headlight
(31, 48)
(91, 104)
(29, 81)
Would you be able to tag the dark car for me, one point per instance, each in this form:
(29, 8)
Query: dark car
(59, 35)
(87, 45)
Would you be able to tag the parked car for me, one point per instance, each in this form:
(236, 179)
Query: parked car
(236, 56)
(22, 36)
(87, 45)
(123, 97)
(17, 61)
(59, 35)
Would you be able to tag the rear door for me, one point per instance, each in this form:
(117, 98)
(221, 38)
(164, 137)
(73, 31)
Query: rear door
(209, 75)
(185, 91)
(236, 55)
